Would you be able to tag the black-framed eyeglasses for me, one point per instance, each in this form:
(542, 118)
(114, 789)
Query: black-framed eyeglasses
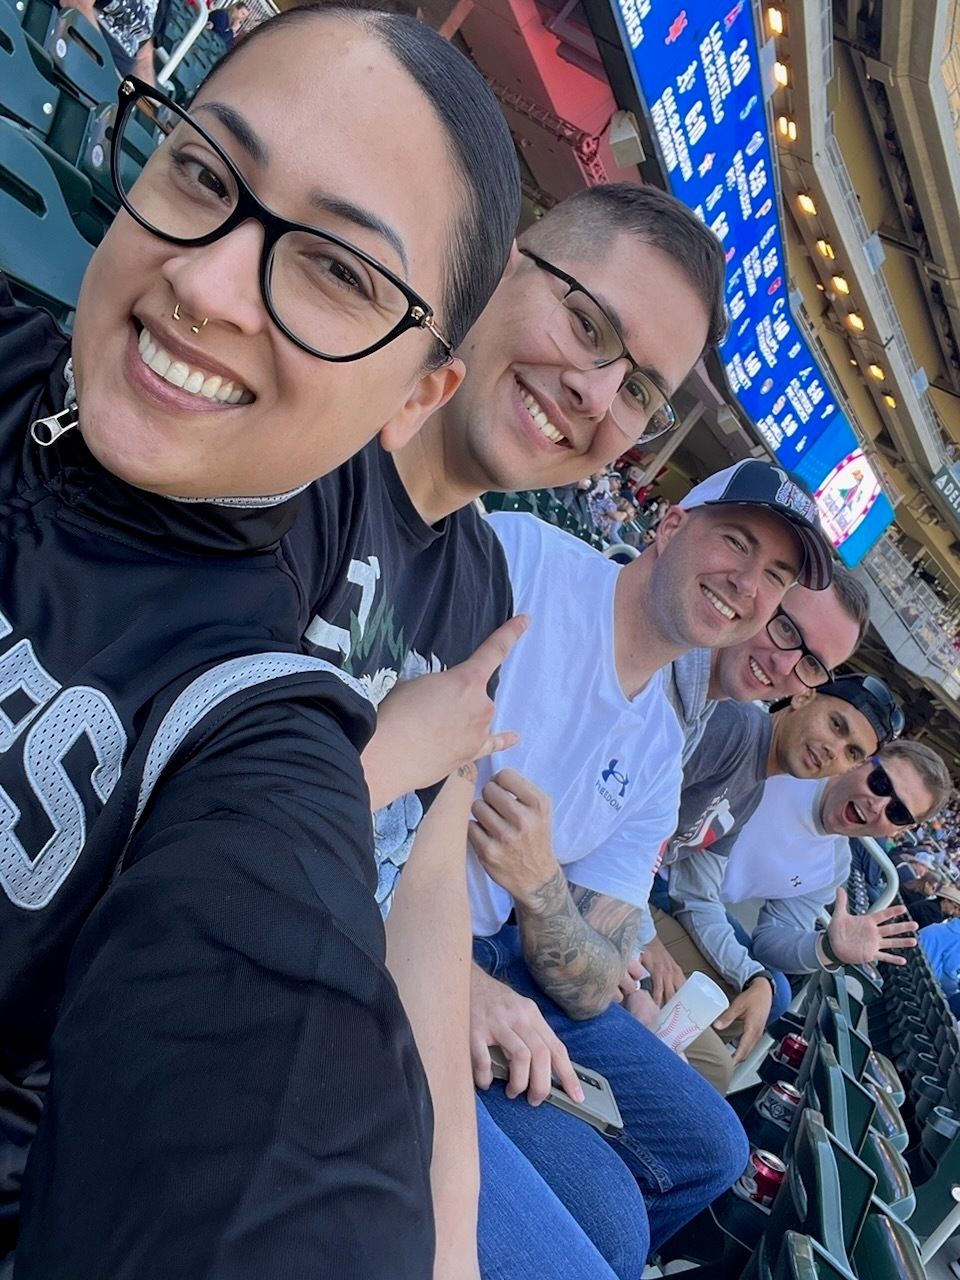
(586, 336)
(785, 634)
(881, 784)
(329, 297)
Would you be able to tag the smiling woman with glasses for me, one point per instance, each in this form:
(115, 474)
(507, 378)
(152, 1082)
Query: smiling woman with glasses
(188, 916)
(329, 297)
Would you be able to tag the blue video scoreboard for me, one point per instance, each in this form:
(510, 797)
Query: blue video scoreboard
(696, 66)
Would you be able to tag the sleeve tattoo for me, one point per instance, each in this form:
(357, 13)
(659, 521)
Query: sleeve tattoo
(576, 943)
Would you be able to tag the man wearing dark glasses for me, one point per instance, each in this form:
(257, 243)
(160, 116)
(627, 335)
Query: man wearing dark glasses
(793, 854)
(826, 730)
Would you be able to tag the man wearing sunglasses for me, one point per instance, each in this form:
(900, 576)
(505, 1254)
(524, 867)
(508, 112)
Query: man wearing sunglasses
(794, 855)
(820, 733)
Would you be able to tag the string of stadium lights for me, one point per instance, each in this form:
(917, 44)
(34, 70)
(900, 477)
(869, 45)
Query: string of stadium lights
(787, 129)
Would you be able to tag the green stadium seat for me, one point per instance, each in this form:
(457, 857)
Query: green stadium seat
(73, 137)
(81, 57)
(41, 250)
(887, 1250)
(801, 1258)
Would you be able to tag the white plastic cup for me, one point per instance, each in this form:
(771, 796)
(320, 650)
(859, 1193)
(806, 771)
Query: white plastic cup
(698, 1002)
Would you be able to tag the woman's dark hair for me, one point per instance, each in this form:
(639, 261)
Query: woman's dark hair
(479, 140)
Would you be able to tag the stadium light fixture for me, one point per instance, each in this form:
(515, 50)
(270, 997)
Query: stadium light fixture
(806, 204)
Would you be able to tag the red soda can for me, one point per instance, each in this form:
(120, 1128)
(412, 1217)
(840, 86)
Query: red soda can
(791, 1050)
(761, 1179)
(779, 1103)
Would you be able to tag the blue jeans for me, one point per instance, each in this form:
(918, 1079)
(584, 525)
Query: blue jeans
(524, 1230)
(681, 1141)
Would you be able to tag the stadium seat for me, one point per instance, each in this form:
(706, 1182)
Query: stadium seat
(887, 1250)
(41, 250)
(81, 57)
(801, 1258)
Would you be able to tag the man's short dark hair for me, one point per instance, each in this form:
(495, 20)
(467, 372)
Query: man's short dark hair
(586, 222)
(933, 772)
(853, 599)
(479, 141)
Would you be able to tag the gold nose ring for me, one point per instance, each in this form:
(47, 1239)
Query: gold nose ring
(176, 312)
(195, 328)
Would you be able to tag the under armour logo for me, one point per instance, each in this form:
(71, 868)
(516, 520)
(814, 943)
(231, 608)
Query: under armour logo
(621, 778)
(796, 882)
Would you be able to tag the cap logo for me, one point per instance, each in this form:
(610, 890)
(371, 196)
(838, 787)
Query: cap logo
(792, 497)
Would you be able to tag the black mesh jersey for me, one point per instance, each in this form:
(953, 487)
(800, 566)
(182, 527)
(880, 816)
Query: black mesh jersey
(186, 891)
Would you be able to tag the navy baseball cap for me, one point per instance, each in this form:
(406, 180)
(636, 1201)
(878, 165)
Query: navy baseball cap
(874, 700)
(754, 483)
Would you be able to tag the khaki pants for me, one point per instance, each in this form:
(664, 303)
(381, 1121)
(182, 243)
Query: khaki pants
(708, 1054)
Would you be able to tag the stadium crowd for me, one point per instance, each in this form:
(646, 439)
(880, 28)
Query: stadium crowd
(327, 799)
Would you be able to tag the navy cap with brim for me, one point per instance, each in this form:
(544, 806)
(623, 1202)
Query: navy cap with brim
(754, 483)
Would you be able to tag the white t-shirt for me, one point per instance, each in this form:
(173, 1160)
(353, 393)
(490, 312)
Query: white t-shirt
(783, 851)
(611, 766)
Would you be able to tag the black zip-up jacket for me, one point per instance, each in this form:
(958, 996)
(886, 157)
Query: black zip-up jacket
(188, 932)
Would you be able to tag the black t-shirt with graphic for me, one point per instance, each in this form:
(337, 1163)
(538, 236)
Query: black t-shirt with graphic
(391, 597)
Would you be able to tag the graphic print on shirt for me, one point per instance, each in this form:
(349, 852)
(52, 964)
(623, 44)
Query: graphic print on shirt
(373, 630)
(716, 821)
(52, 722)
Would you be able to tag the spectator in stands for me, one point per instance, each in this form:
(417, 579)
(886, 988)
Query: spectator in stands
(165, 636)
(567, 835)
(130, 28)
(228, 21)
(793, 855)
(941, 946)
(940, 904)
(630, 244)
(638, 239)
(873, 877)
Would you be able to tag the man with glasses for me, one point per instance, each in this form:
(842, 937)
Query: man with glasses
(794, 856)
(820, 733)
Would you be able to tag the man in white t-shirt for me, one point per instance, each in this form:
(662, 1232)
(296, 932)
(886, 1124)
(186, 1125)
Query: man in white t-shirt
(567, 836)
(793, 855)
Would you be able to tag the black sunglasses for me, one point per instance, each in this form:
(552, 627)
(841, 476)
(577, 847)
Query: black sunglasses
(143, 110)
(880, 783)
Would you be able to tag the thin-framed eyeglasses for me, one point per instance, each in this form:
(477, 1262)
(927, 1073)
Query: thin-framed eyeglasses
(585, 334)
(786, 635)
(330, 298)
(881, 784)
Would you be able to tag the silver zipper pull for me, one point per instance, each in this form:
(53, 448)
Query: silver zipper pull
(46, 430)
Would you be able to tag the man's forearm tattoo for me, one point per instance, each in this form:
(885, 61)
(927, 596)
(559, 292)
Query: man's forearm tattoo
(576, 944)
